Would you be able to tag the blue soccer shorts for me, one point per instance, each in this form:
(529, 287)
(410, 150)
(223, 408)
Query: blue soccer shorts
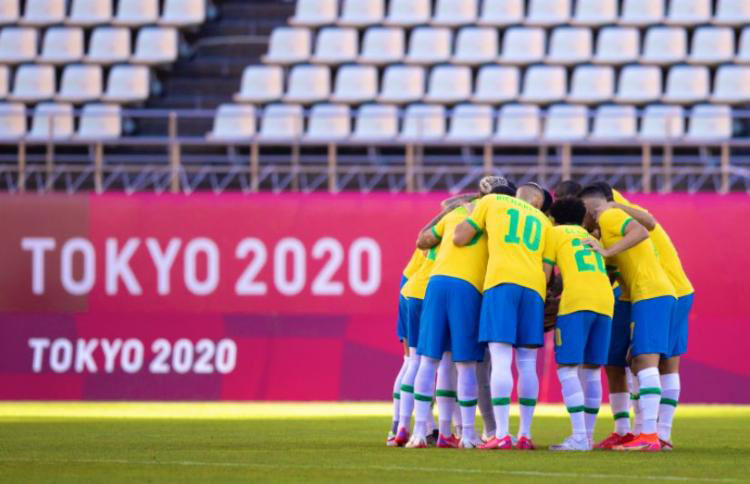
(512, 314)
(619, 339)
(582, 337)
(413, 314)
(402, 313)
(678, 328)
(649, 328)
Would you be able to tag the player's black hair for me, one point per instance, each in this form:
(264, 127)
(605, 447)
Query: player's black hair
(606, 188)
(593, 190)
(568, 211)
(504, 187)
(567, 188)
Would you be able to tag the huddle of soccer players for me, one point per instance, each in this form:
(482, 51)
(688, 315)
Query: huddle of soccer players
(477, 284)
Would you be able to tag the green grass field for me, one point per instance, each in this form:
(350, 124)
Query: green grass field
(77, 442)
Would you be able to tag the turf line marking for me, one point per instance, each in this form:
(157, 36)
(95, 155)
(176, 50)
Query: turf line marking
(249, 465)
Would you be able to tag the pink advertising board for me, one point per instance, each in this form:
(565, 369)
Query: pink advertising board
(293, 297)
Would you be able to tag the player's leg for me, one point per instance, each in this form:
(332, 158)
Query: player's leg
(407, 381)
(484, 397)
(501, 386)
(446, 401)
(595, 355)
(530, 339)
(424, 390)
(391, 442)
(634, 387)
(592, 395)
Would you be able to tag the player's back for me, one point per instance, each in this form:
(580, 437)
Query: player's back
(468, 262)
(416, 286)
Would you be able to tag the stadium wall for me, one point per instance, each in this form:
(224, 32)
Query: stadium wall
(265, 297)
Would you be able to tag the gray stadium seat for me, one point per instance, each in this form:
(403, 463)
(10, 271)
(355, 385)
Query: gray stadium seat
(470, 122)
(407, 13)
(544, 84)
(328, 122)
(135, 13)
(402, 84)
(382, 45)
(566, 122)
(233, 122)
(501, 13)
(80, 84)
(639, 84)
(99, 122)
(109, 45)
(523, 45)
(641, 13)
(336, 46)
(10, 12)
(732, 12)
(449, 84)
(664, 45)
(687, 85)
(12, 121)
(155, 45)
(51, 121)
(308, 84)
(732, 85)
(288, 45)
(518, 122)
(423, 122)
(660, 122)
(570, 45)
(689, 12)
(183, 13)
(710, 122)
(476, 45)
(88, 13)
(592, 84)
(281, 123)
(712, 45)
(62, 45)
(40, 13)
(127, 84)
(18, 45)
(376, 122)
(261, 84)
(617, 45)
(355, 84)
(452, 13)
(615, 122)
(496, 84)
(429, 45)
(314, 13)
(362, 13)
(33, 83)
(546, 13)
(594, 13)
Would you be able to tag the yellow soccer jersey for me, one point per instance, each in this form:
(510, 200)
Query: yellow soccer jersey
(416, 260)
(668, 257)
(639, 266)
(416, 286)
(516, 236)
(469, 262)
(586, 285)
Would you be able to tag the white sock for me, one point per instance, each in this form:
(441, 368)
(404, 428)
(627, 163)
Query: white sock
(484, 398)
(649, 398)
(592, 391)
(446, 393)
(620, 403)
(573, 397)
(528, 388)
(467, 398)
(635, 402)
(670, 395)
(424, 391)
(397, 394)
(501, 385)
(407, 390)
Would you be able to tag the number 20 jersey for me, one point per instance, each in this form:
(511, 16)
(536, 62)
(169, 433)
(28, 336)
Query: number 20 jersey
(516, 237)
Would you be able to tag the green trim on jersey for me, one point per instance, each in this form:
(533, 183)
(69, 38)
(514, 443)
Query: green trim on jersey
(434, 232)
(625, 225)
(550, 262)
(473, 224)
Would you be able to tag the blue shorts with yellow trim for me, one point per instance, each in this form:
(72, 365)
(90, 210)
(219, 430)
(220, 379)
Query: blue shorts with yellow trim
(651, 319)
(678, 328)
(413, 315)
(450, 320)
(582, 337)
(619, 339)
(512, 314)
(402, 313)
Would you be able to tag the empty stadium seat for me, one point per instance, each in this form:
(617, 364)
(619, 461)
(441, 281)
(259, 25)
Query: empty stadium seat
(10, 12)
(355, 84)
(281, 122)
(545, 13)
(664, 45)
(595, 12)
(470, 122)
(592, 84)
(732, 12)
(313, 13)
(308, 84)
(261, 84)
(99, 122)
(566, 122)
(383, 45)
(544, 84)
(732, 85)
(407, 13)
(155, 45)
(328, 122)
(361, 13)
(80, 83)
(743, 51)
(183, 13)
(87, 13)
(642, 12)
(518, 122)
(615, 122)
(288, 45)
(687, 85)
(134, 13)
(18, 44)
(617, 45)
(639, 84)
(428, 45)
(4, 81)
(109, 45)
(336, 46)
(43, 12)
(376, 122)
(449, 84)
(496, 84)
(12, 121)
(233, 122)
(709, 122)
(33, 83)
(423, 122)
(127, 84)
(476, 45)
(689, 12)
(62, 45)
(660, 122)
(499, 13)
(712, 45)
(570, 45)
(523, 45)
(452, 13)
(402, 84)
(51, 121)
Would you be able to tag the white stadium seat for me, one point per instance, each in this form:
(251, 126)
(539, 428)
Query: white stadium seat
(523, 45)
(500, 13)
(233, 122)
(642, 12)
(661, 122)
(570, 45)
(615, 122)
(429, 45)
(128, 84)
(313, 13)
(617, 45)
(496, 84)
(476, 45)
(407, 13)
(402, 84)
(423, 122)
(80, 83)
(594, 13)
(545, 13)
(155, 45)
(664, 45)
(336, 46)
(361, 13)
(639, 84)
(518, 122)
(544, 84)
(687, 85)
(376, 122)
(566, 122)
(134, 13)
(99, 122)
(10, 12)
(261, 84)
(33, 83)
(592, 84)
(43, 12)
(470, 122)
(449, 84)
(183, 13)
(308, 84)
(18, 44)
(288, 45)
(743, 51)
(109, 45)
(62, 45)
(87, 13)
(4, 81)
(51, 121)
(709, 122)
(383, 45)
(281, 122)
(452, 13)
(328, 122)
(732, 85)
(712, 45)
(732, 12)
(12, 121)
(355, 84)
(689, 12)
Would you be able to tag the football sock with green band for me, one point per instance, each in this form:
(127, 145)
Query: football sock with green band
(484, 397)
(424, 390)
(397, 394)
(592, 397)
(528, 388)
(467, 399)
(501, 385)
(620, 403)
(446, 393)
(635, 401)
(572, 393)
(649, 396)
(406, 406)
(670, 395)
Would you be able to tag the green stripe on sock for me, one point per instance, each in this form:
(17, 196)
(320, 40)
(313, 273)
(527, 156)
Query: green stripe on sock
(445, 393)
(396, 395)
(575, 409)
(501, 401)
(407, 388)
(592, 411)
(528, 402)
(620, 415)
(634, 396)
(467, 403)
(650, 391)
(668, 401)
(422, 398)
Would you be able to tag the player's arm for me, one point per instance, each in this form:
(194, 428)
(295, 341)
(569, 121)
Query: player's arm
(469, 228)
(644, 218)
(429, 238)
(633, 234)
(458, 200)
